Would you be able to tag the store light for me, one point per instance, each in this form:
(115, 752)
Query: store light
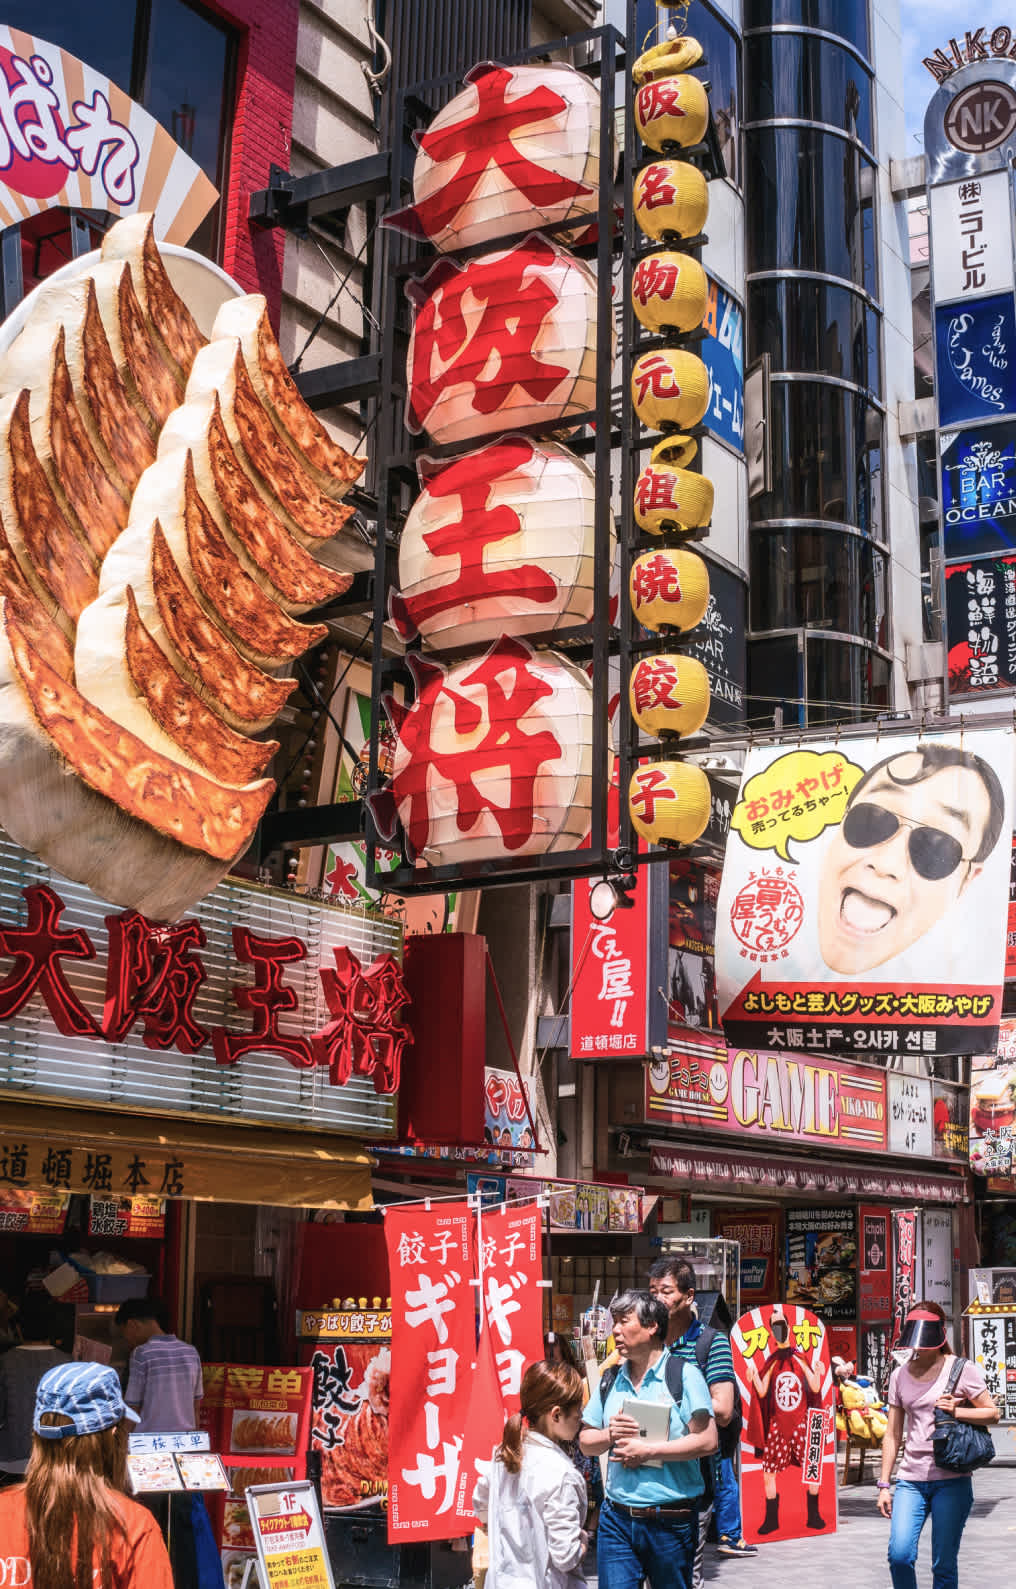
(611, 894)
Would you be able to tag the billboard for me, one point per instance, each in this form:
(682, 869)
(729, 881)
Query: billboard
(980, 612)
(979, 490)
(975, 357)
(864, 896)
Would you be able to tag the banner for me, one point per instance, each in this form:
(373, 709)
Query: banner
(757, 1234)
(127, 1216)
(904, 1267)
(511, 1334)
(821, 1251)
(616, 968)
(350, 1409)
(432, 1260)
(993, 1110)
(788, 1440)
(864, 896)
(775, 1096)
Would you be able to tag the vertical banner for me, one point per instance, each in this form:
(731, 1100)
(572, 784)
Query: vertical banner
(904, 1267)
(864, 894)
(432, 1260)
(617, 966)
(788, 1440)
(511, 1334)
(351, 1407)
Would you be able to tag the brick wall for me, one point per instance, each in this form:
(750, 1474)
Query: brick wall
(261, 136)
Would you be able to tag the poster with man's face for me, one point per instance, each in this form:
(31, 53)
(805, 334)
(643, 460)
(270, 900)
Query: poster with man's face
(865, 893)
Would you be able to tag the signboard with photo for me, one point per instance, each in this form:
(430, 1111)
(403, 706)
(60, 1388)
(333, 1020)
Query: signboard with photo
(975, 346)
(993, 1108)
(349, 1413)
(980, 615)
(691, 981)
(821, 1260)
(861, 896)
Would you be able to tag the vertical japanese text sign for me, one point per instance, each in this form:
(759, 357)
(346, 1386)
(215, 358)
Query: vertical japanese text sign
(432, 1258)
(510, 1255)
(618, 969)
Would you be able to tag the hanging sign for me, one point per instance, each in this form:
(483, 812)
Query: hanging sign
(972, 251)
(432, 1259)
(289, 1537)
(36, 1213)
(904, 1267)
(979, 490)
(975, 346)
(71, 137)
(863, 895)
(910, 1121)
(127, 1216)
(874, 1286)
(980, 611)
(722, 353)
(615, 1005)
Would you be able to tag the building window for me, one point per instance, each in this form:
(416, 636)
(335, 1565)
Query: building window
(811, 197)
(809, 326)
(175, 59)
(826, 450)
(848, 18)
(775, 680)
(844, 679)
(818, 579)
(723, 73)
(810, 79)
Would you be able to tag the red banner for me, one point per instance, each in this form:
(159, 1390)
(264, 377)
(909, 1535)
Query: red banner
(610, 974)
(431, 1254)
(511, 1333)
(788, 1442)
(874, 1288)
(127, 1216)
(904, 1267)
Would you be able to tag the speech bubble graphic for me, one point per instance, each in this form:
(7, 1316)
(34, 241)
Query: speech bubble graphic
(796, 797)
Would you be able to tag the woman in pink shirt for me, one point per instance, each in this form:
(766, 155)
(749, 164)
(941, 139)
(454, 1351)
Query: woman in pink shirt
(923, 1490)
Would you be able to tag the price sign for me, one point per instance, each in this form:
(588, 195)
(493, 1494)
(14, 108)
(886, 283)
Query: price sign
(289, 1537)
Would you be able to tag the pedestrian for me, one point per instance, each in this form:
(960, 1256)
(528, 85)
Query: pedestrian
(70, 1525)
(649, 1519)
(672, 1280)
(20, 1372)
(923, 1489)
(559, 1349)
(532, 1501)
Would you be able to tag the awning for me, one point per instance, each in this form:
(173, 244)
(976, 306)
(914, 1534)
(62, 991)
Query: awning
(55, 1147)
(733, 1173)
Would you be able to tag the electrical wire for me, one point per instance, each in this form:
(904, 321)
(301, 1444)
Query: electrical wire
(329, 306)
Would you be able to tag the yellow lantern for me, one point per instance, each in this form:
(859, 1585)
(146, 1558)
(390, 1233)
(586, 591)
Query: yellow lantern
(669, 802)
(670, 199)
(672, 112)
(668, 496)
(669, 292)
(663, 60)
(669, 694)
(669, 589)
(669, 389)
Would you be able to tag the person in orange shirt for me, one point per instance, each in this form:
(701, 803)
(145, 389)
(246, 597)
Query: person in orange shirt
(70, 1525)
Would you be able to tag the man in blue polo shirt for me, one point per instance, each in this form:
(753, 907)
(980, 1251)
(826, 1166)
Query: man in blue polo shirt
(649, 1520)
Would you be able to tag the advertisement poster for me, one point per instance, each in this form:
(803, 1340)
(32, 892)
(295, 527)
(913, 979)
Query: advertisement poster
(975, 357)
(979, 491)
(950, 1114)
(510, 1253)
(432, 1259)
(691, 933)
(910, 1124)
(349, 1412)
(1010, 937)
(863, 894)
(258, 1419)
(506, 1120)
(875, 1363)
(771, 1096)
(937, 1258)
(874, 1284)
(993, 1109)
(904, 1267)
(980, 618)
(290, 1539)
(127, 1216)
(757, 1233)
(821, 1259)
(788, 1441)
(41, 1213)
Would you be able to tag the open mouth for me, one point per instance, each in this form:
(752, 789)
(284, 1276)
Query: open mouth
(862, 914)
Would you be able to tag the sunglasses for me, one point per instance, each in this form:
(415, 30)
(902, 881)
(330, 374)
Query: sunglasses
(933, 854)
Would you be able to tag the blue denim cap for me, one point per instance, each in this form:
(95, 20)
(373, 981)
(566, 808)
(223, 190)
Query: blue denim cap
(87, 1393)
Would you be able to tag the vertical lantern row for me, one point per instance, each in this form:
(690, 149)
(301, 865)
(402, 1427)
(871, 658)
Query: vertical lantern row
(668, 690)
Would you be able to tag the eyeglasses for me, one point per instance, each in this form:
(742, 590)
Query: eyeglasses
(933, 854)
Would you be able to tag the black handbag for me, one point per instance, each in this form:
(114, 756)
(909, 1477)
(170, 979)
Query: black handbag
(960, 1447)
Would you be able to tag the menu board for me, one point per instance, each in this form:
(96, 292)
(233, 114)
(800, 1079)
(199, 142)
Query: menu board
(994, 1349)
(289, 1537)
(127, 1216)
(821, 1250)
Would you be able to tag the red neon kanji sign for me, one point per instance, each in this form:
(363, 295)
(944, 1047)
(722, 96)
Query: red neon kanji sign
(153, 976)
(38, 949)
(368, 1034)
(268, 1000)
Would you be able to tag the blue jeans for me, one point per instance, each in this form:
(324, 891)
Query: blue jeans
(727, 1501)
(948, 1501)
(662, 1550)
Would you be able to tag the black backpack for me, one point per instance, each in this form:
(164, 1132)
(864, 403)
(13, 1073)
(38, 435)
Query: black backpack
(729, 1433)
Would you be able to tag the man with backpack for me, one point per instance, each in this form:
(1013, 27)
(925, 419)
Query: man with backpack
(649, 1519)
(672, 1281)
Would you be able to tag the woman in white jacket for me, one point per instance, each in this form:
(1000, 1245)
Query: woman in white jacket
(533, 1500)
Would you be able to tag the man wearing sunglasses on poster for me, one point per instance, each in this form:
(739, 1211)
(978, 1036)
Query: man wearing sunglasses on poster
(916, 832)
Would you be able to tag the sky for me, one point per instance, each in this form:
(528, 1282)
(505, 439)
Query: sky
(926, 25)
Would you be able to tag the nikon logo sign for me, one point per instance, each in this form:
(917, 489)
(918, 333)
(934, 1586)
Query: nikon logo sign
(979, 45)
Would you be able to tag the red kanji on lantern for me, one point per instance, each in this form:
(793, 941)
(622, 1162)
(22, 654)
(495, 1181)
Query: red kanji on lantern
(367, 1036)
(655, 579)
(268, 999)
(493, 351)
(654, 279)
(654, 374)
(662, 97)
(654, 683)
(649, 787)
(654, 490)
(38, 949)
(483, 139)
(657, 187)
(472, 480)
(510, 689)
(152, 976)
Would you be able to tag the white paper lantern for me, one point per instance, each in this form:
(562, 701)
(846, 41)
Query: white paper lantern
(508, 338)
(518, 148)
(500, 541)
(493, 759)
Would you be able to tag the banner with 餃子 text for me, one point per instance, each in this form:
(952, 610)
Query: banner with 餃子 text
(865, 894)
(432, 1262)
